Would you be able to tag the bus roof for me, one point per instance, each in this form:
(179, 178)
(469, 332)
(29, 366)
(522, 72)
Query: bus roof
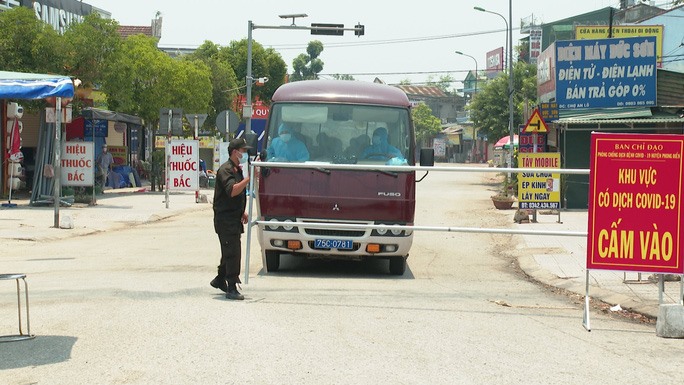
(341, 91)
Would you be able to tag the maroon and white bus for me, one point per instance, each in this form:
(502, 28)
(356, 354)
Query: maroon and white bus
(336, 121)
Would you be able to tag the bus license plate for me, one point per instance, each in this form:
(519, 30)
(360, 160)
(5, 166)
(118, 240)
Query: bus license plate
(333, 244)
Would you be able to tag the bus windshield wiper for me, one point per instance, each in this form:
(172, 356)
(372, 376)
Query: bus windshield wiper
(390, 173)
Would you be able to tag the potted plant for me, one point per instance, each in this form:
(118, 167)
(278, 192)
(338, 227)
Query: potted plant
(505, 197)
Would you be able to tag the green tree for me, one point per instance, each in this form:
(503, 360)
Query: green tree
(89, 46)
(443, 83)
(265, 63)
(489, 108)
(190, 86)
(343, 77)
(224, 85)
(141, 79)
(29, 45)
(426, 124)
(307, 66)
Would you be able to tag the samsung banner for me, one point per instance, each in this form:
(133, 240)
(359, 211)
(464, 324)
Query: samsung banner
(606, 73)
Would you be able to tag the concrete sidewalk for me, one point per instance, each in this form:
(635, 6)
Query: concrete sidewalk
(560, 261)
(114, 209)
(554, 260)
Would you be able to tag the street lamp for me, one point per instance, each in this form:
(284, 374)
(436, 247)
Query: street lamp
(472, 151)
(475, 60)
(509, 48)
(505, 21)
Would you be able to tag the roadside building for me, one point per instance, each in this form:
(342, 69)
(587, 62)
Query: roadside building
(662, 112)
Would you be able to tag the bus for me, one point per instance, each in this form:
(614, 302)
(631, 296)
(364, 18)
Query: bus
(338, 122)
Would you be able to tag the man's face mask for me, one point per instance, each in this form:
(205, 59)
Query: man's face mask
(377, 139)
(244, 158)
(285, 137)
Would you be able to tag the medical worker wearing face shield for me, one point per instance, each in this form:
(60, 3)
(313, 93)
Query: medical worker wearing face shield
(286, 147)
(380, 148)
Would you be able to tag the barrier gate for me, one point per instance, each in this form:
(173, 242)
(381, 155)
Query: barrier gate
(427, 169)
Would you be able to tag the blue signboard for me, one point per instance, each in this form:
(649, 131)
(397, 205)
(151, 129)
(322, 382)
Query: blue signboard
(258, 127)
(100, 128)
(605, 73)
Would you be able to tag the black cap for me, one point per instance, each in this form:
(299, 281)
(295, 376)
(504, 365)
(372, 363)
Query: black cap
(237, 144)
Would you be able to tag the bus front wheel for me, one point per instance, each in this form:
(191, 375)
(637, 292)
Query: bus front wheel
(397, 265)
(272, 260)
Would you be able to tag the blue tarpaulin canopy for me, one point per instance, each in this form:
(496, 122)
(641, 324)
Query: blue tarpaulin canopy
(19, 85)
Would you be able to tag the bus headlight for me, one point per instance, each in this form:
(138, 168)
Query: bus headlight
(397, 231)
(273, 227)
(288, 227)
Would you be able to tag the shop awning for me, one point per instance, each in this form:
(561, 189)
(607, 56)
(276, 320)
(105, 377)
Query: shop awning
(20, 85)
(96, 113)
(620, 116)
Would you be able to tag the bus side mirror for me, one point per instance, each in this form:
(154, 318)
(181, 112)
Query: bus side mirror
(265, 171)
(427, 157)
(252, 140)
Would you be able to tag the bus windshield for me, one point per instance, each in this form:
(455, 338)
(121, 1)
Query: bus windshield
(339, 133)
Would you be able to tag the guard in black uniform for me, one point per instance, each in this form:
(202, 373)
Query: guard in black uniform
(230, 199)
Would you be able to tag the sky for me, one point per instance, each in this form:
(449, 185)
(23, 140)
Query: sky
(401, 42)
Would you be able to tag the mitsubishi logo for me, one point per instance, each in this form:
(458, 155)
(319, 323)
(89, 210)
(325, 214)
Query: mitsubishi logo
(336, 207)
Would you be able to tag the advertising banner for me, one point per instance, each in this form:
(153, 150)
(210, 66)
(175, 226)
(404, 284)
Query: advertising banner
(635, 211)
(120, 154)
(535, 44)
(606, 73)
(78, 165)
(526, 142)
(183, 165)
(495, 62)
(439, 145)
(100, 126)
(617, 31)
(539, 190)
(546, 75)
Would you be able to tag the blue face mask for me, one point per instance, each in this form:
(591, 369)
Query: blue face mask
(244, 158)
(376, 140)
(285, 137)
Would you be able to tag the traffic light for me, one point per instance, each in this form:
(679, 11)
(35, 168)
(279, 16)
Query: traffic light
(360, 30)
(330, 29)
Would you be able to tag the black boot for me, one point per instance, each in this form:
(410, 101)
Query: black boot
(219, 283)
(233, 293)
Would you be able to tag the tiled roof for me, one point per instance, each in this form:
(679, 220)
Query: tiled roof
(430, 91)
(129, 30)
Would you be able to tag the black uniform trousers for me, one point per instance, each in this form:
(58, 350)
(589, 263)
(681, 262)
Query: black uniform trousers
(230, 258)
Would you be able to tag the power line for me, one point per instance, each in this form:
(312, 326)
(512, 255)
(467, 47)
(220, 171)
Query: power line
(391, 41)
(362, 43)
(399, 73)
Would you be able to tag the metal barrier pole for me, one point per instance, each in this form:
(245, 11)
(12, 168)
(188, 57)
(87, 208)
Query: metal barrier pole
(249, 221)
(585, 320)
(363, 226)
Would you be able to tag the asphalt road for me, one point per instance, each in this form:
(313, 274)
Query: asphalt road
(134, 306)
